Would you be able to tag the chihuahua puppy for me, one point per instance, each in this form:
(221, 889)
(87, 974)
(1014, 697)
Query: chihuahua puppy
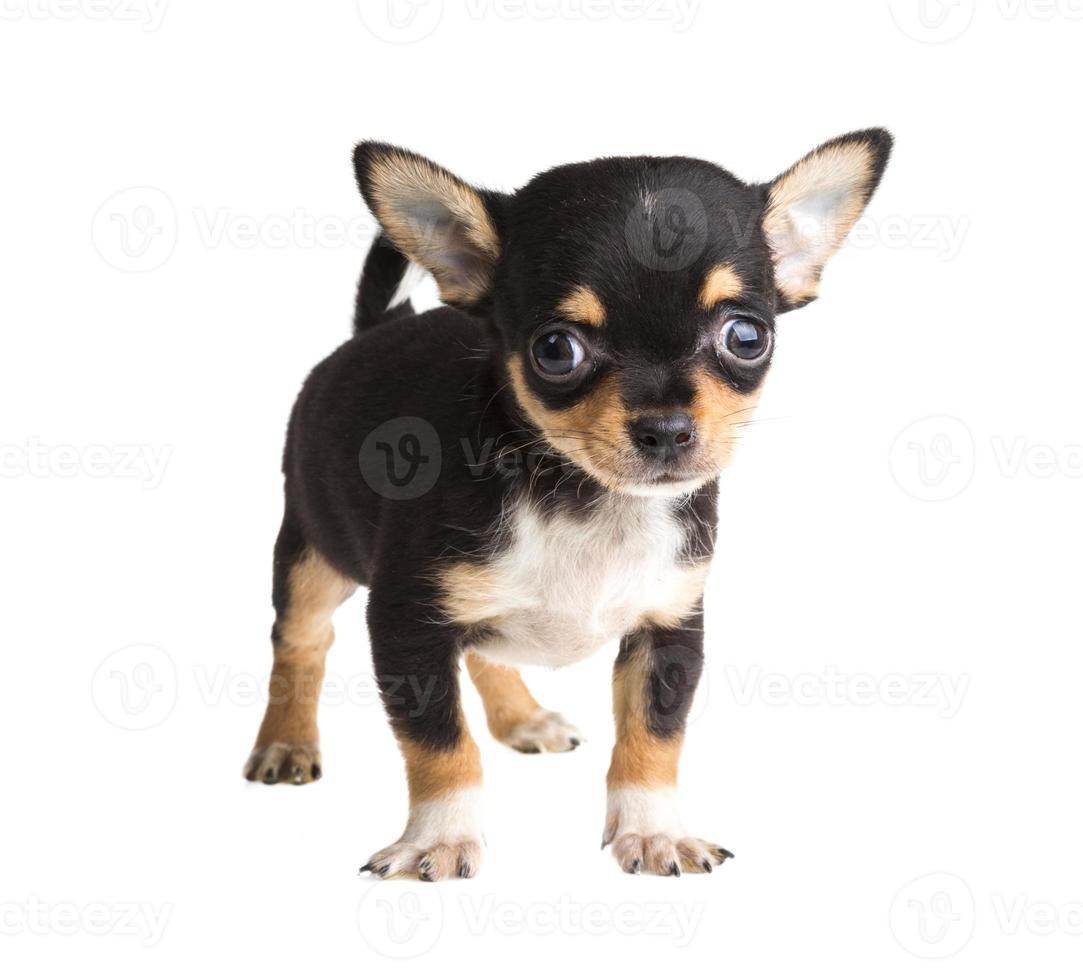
(530, 471)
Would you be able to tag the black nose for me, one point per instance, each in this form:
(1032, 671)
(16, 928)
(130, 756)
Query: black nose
(664, 436)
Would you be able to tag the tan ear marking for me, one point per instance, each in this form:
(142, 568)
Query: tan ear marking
(398, 183)
(721, 283)
(811, 209)
(583, 305)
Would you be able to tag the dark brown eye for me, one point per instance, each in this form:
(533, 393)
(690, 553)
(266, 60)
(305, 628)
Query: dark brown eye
(557, 353)
(745, 339)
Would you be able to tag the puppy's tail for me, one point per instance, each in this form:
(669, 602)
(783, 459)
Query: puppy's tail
(384, 291)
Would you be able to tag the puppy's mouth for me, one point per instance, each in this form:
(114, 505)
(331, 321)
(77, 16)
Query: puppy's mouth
(667, 483)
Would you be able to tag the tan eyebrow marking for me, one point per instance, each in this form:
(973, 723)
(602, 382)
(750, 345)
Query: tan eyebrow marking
(583, 304)
(722, 283)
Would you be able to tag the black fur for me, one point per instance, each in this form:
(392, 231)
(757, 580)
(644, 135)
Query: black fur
(583, 223)
(384, 269)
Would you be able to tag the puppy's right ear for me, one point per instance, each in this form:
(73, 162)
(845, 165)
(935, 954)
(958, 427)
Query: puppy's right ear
(432, 217)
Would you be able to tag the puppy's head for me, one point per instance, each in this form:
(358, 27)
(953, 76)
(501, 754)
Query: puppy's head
(635, 298)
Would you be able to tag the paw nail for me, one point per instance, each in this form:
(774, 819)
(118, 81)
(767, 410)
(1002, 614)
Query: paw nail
(316, 772)
(635, 866)
(707, 866)
(723, 854)
(364, 868)
(675, 870)
(464, 870)
(574, 742)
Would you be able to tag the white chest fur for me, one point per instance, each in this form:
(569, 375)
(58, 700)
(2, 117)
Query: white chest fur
(566, 585)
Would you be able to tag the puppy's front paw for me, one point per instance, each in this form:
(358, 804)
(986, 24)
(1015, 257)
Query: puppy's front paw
(283, 763)
(442, 840)
(546, 731)
(432, 862)
(663, 854)
(648, 837)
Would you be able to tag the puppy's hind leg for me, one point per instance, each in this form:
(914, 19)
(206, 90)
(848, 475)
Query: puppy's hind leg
(307, 590)
(514, 717)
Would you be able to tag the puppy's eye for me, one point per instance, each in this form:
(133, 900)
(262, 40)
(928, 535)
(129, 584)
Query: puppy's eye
(557, 353)
(745, 339)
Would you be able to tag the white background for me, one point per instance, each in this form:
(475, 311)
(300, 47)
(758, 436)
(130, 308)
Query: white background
(893, 617)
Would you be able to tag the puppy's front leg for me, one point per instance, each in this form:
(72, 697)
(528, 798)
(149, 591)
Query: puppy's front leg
(654, 679)
(418, 673)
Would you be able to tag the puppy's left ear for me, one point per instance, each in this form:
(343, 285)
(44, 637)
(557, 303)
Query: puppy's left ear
(435, 219)
(813, 205)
